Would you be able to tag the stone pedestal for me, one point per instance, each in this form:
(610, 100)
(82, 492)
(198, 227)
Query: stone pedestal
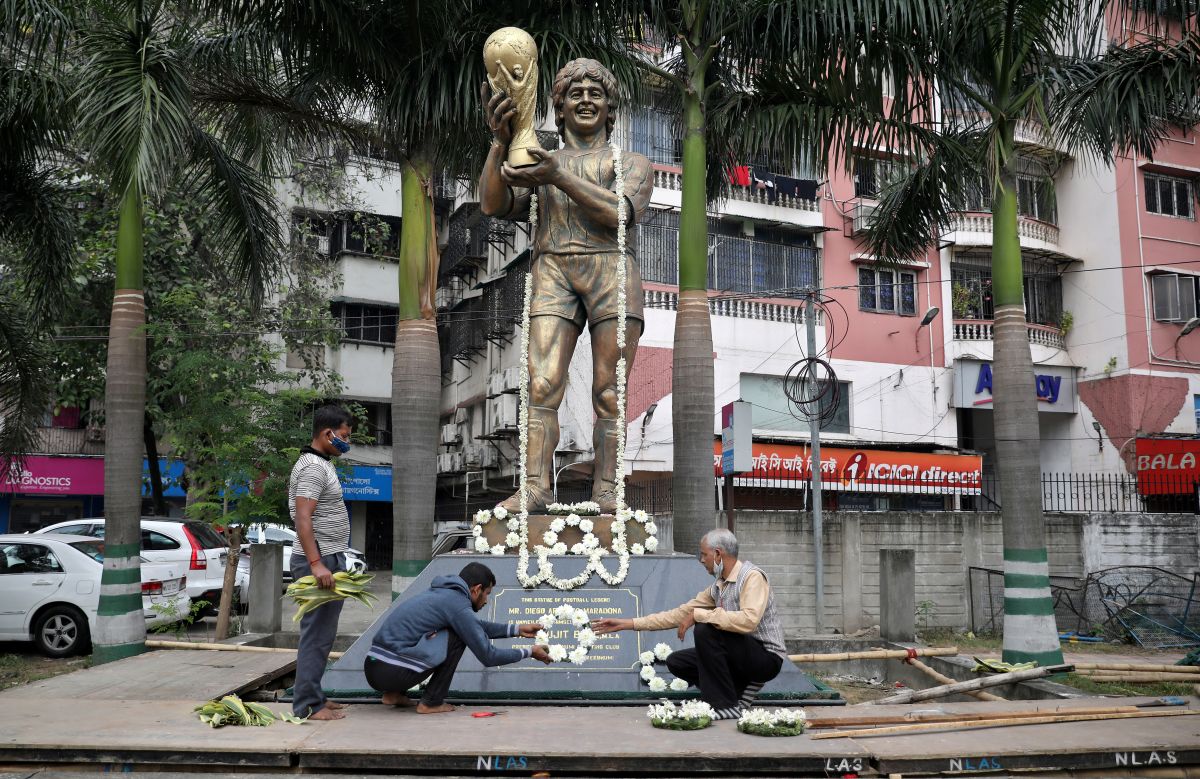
(610, 675)
(497, 529)
(266, 585)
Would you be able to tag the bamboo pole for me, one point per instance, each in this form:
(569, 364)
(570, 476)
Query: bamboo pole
(875, 654)
(912, 696)
(1140, 678)
(156, 644)
(999, 723)
(943, 679)
(915, 717)
(1140, 667)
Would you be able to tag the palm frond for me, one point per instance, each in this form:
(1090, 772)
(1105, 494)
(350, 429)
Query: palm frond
(1127, 100)
(240, 218)
(135, 108)
(36, 218)
(25, 390)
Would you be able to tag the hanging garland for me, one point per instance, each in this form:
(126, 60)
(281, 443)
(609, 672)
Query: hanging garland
(519, 536)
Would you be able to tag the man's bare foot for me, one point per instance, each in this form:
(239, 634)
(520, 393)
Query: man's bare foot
(327, 714)
(335, 705)
(442, 709)
(398, 699)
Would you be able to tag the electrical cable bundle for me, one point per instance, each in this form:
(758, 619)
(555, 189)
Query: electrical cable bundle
(811, 384)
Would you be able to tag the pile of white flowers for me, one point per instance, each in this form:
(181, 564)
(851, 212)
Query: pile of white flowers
(566, 615)
(589, 547)
(584, 508)
(650, 676)
(780, 722)
(689, 715)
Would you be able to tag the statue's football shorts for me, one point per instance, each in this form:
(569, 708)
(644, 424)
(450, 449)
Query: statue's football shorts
(583, 287)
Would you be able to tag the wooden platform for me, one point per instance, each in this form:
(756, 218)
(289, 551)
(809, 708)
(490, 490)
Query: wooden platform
(175, 674)
(116, 717)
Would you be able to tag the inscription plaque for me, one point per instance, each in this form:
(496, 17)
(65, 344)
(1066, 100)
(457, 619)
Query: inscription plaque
(617, 652)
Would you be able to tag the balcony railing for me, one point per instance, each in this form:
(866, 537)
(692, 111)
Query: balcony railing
(59, 440)
(981, 330)
(1027, 227)
(668, 300)
(673, 179)
(734, 264)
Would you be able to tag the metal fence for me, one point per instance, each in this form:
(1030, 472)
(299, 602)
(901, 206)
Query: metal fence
(1150, 606)
(735, 264)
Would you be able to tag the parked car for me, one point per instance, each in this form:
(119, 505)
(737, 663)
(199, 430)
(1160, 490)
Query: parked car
(50, 591)
(194, 545)
(267, 533)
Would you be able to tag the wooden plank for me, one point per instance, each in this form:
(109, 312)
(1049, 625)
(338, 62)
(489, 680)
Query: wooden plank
(165, 675)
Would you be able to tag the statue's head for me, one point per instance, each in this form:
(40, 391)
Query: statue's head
(576, 73)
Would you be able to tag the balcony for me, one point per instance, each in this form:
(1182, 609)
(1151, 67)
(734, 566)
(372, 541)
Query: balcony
(975, 229)
(60, 440)
(981, 330)
(738, 265)
(665, 178)
(668, 300)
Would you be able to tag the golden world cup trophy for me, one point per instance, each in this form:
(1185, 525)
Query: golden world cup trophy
(510, 56)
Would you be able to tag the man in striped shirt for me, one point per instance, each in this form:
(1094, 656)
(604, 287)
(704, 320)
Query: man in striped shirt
(322, 537)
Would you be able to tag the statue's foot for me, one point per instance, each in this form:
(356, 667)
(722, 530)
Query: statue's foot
(536, 502)
(606, 500)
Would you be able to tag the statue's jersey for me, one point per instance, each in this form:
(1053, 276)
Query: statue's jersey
(566, 228)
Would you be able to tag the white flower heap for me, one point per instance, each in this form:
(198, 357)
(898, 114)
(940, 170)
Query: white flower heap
(689, 715)
(585, 508)
(780, 722)
(570, 618)
(650, 676)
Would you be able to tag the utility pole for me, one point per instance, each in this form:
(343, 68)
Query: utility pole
(812, 391)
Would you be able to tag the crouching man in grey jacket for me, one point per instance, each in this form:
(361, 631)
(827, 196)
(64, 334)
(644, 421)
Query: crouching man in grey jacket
(425, 636)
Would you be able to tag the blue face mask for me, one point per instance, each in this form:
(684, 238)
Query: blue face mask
(339, 444)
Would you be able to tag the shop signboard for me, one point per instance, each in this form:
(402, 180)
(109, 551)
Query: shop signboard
(1055, 386)
(1167, 466)
(39, 475)
(860, 470)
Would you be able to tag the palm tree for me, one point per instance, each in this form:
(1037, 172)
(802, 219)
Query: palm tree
(1048, 62)
(717, 60)
(161, 98)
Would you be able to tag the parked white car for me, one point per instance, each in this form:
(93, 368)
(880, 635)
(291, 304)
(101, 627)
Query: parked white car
(50, 591)
(195, 546)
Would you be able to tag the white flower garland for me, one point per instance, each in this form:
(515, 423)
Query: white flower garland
(689, 714)
(590, 546)
(585, 637)
(660, 653)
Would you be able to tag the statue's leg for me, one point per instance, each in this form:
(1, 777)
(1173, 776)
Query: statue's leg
(551, 343)
(604, 402)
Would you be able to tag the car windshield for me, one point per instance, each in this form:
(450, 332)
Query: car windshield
(205, 535)
(93, 548)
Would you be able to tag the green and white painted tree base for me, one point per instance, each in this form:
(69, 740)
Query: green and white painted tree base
(1030, 631)
(119, 615)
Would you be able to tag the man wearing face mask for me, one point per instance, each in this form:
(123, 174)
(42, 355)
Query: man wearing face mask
(739, 637)
(322, 537)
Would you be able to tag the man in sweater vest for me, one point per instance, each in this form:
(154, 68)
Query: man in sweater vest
(424, 638)
(739, 638)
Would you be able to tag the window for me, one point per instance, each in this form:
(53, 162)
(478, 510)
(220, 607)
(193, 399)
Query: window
(1174, 297)
(28, 558)
(1170, 196)
(367, 323)
(887, 291)
(773, 410)
(971, 290)
(871, 175)
(74, 530)
(1035, 197)
(157, 542)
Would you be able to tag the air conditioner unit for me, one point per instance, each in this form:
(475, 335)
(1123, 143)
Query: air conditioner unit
(512, 379)
(489, 457)
(450, 435)
(503, 413)
(456, 462)
(443, 298)
(473, 456)
(864, 217)
(460, 416)
(495, 384)
(445, 463)
(572, 439)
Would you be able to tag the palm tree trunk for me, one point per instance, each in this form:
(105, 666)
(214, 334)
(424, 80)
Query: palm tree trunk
(416, 384)
(692, 383)
(120, 627)
(1030, 632)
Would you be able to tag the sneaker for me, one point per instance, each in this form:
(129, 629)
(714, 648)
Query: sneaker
(536, 502)
(606, 500)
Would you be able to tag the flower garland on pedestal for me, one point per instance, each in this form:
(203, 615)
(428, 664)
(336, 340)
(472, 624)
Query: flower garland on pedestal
(569, 615)
(658, 684)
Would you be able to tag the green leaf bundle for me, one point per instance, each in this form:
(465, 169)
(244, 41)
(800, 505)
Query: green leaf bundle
(306, 592)
(232, 710)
